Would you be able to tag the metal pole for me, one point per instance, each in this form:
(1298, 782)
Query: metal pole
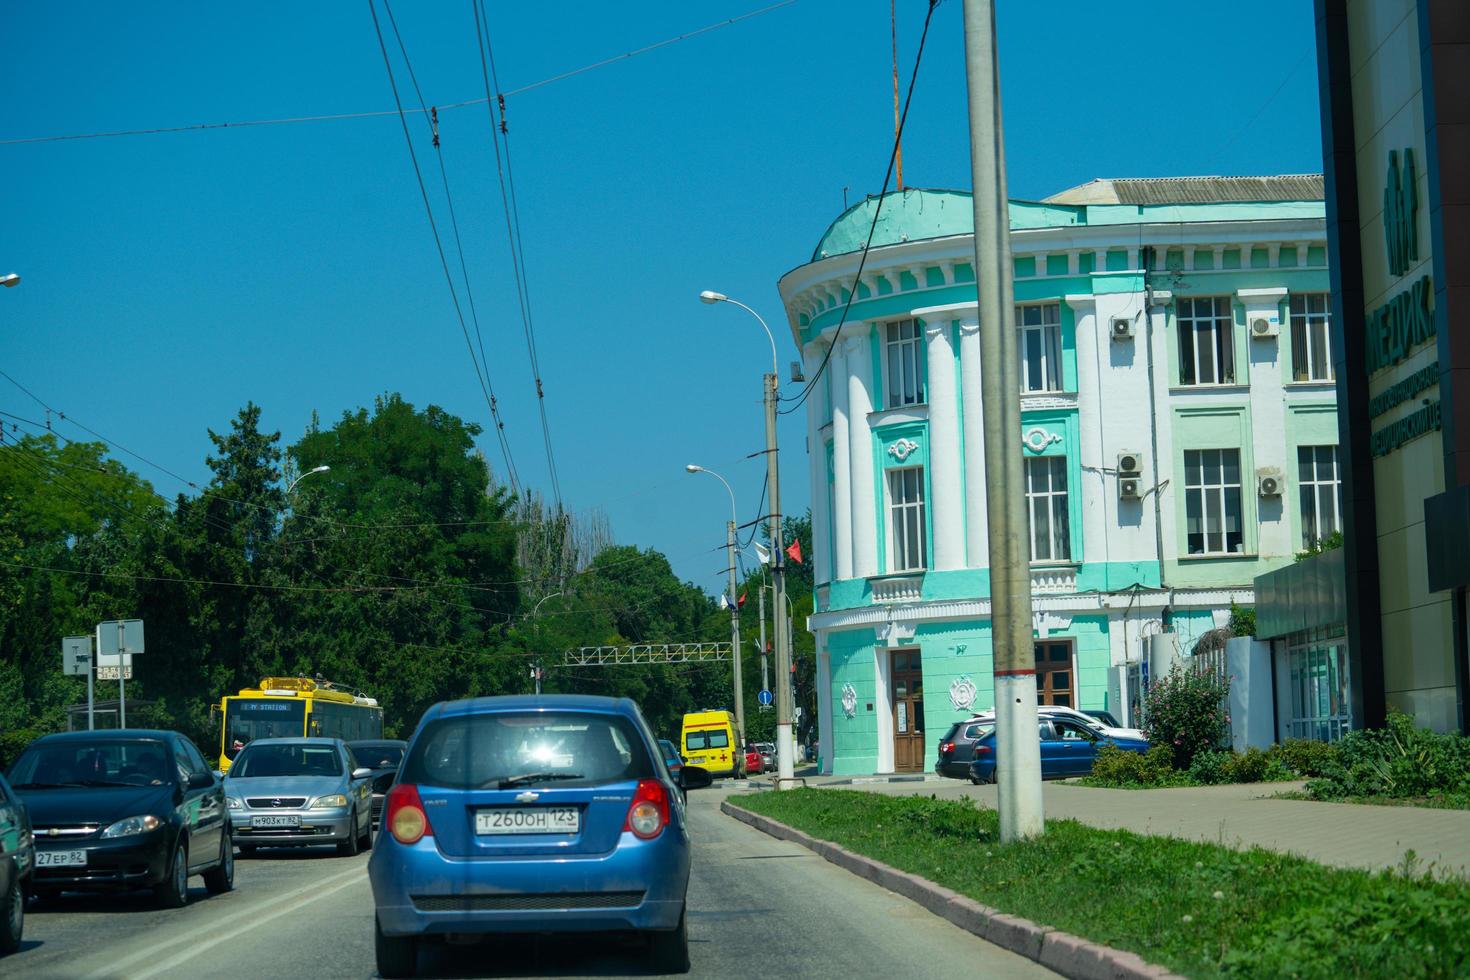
(1018, 762)
(91, 672)
(737, 654)
(122, 670)
(784, 761)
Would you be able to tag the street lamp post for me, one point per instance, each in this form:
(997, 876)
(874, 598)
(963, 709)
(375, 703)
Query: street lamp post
(536, 632)
(318, 469)
(734, 607)
(784, 754)
(9, 280)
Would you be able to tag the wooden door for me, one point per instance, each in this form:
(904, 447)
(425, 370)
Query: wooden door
(1055, 679)
(908, 710)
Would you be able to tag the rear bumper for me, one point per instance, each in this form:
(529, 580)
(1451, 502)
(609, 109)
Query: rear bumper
(317, 827)
(128, 862)
(952, 769)
(640, 885)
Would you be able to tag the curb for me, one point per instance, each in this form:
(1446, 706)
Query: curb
(1071, 956)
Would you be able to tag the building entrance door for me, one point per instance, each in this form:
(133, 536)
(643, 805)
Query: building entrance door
(908, 711)
(1055, 682)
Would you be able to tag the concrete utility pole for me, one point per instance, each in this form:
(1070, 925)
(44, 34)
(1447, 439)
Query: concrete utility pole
(730, 539)
(1018, 751)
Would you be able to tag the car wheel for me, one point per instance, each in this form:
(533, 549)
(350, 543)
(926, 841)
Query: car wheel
(348, 847)
(221, 877)
(12, 917)
(668, 952)
(398, 956)
(976, 780)
(173, 891)
(365, 842)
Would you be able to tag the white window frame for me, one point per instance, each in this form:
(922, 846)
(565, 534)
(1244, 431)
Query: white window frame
(903, 363)
(1211, 319)
(908, 539)
(1039, 328)
(1044, 497)
(1311, 337)
(1319, 479)
(1207, 491)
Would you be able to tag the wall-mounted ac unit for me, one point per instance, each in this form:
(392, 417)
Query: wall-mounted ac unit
(1270, 482)
(1265, 327)
(1130, 475)
(1122, 328)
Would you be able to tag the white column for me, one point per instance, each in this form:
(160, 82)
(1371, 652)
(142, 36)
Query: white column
(841, 467)
(816, 409)
(860, 457)
(944, 450)
(976, 542)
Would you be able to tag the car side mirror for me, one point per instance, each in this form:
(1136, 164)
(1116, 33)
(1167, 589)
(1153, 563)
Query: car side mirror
(694, 777)
(201, 780)
(361, 772)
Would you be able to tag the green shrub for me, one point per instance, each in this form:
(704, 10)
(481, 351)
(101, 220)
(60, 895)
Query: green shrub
(1116, 767)
(1305, 756)
(1249, 767)
(1210, 768)
(14, 741)
(1185, 711)
(1399, 761)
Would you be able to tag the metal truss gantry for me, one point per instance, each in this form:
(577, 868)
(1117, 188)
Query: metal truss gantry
(646, 653)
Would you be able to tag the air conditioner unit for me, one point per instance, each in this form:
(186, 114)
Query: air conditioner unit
(1130, 464)
(1122, 328)
(1265, 327)
(1270, 482)
(1130, 488)
(1130, 475)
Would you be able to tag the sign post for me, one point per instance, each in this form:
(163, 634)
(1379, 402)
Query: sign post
(76, 658)
(117, 641)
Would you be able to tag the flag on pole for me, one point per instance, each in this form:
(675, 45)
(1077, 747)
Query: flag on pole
(724, 601)
(740, 603)
(794, 551)
(763, 553)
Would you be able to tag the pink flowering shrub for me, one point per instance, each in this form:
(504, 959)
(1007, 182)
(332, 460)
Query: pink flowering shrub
(1186, 712)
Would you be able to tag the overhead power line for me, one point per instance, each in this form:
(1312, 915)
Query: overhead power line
(380, 113)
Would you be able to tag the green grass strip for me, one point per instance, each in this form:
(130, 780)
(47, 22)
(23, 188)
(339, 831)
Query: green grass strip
(1203, 910)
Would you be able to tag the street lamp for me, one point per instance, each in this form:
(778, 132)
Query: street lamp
(536, 631)
(734, 605)
(784, 744)
(320, 469)
(9, 280)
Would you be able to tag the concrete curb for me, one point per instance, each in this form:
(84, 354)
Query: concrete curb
(1069, 955)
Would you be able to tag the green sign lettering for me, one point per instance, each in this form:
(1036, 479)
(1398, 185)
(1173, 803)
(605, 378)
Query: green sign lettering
(1401, 213)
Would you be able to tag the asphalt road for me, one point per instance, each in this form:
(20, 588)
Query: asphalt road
(756, 906)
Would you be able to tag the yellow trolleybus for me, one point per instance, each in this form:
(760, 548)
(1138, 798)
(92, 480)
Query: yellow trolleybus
(294, 706)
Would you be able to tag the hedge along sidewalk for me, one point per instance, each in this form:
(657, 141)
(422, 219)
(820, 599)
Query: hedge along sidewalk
(1198, 908)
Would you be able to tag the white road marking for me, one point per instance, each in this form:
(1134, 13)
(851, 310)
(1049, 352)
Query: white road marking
(199, 942)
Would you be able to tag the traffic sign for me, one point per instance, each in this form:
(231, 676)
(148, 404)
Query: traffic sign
(111, 673)
(118, 638)
(765, 698)
(76, 655)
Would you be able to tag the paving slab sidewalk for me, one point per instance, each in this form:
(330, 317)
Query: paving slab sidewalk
(1345, 835)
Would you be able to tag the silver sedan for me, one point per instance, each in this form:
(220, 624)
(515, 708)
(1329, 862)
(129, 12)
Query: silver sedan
(291, 792)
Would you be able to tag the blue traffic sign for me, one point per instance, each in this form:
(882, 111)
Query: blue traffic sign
(765, 698)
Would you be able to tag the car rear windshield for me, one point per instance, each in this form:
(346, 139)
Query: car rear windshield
(378, 756)
(113, 762)
(287, 760)
(487, 751)
(717, 738)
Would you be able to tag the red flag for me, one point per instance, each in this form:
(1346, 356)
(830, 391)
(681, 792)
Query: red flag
(794, 551)
(740, 603)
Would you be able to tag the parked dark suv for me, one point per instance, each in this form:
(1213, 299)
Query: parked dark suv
(957, 747)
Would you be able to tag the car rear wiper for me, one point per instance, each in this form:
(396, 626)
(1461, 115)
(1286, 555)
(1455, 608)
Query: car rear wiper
(536, 777)
(47, 785)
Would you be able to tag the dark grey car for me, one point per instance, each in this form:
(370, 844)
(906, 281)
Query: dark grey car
(300, 791)
(17, 861)
(957, 747)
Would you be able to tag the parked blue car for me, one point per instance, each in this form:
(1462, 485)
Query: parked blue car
(1068, 748)
(533, 814)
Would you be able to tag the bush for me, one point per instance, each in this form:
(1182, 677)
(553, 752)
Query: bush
(1397, 761)
(1305, 756)
(1186, 712)
(13, 742)
(1212, 768)
(1116, 767)
(1249, 767)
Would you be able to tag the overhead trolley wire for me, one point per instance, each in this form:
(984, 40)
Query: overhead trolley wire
(873, 225)
(485, 385)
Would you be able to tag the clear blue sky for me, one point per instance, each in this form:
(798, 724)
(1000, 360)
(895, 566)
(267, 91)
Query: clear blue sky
(168, 279)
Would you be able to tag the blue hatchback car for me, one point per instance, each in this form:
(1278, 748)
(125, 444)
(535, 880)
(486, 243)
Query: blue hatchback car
(1068, 748)
(533, 814)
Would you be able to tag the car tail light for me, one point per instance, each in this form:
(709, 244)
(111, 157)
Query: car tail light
(946, 748)
(982, 750)
(649, 813)
(407, 819)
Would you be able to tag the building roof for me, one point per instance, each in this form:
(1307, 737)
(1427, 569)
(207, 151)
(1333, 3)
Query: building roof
(1192, 190)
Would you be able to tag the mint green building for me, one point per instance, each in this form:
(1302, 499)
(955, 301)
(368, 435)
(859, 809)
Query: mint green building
(1179, 433)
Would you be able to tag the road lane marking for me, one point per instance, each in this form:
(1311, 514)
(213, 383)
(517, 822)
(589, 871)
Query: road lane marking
(115, 967)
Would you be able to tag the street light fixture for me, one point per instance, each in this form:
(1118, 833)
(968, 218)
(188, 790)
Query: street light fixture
(734, 606)
(320, 469)
(9, 280)
(784, 744)
(536, 631)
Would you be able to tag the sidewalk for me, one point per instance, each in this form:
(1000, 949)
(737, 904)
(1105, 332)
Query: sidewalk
(1346, 835)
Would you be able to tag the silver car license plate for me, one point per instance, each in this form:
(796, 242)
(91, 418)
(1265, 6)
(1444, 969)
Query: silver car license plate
(275, 820)
(528, 820)
(61, 859)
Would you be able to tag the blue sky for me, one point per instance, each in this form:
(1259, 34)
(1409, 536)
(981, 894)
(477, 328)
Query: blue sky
(170, 278)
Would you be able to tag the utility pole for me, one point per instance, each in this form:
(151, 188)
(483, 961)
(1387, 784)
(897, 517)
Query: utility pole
(1018, 751)
(765, 686)
(784, 761)
(736, 654)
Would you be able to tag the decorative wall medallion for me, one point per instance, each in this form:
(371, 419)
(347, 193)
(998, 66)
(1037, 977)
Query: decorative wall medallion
(962, 693)
(849, 700)
(1037, 438)
(902, 449)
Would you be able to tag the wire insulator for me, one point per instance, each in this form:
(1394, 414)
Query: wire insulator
(501, 100)
(434, 122)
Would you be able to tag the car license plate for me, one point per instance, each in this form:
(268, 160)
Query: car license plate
(528, 820)
(275, 820)
(61, 859)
